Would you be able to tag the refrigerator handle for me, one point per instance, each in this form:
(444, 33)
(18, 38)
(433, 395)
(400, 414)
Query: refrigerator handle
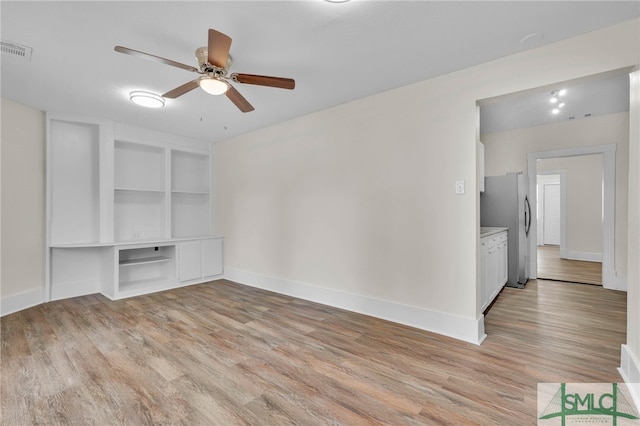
(527, 215)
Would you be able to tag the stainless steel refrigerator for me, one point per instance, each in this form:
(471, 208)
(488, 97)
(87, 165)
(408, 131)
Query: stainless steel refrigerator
(505, 203)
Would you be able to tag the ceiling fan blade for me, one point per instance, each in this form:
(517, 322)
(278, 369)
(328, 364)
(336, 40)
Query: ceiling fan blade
(148, 56)
(239, 100)
(218, 47)
(263, 80)
(181, 90)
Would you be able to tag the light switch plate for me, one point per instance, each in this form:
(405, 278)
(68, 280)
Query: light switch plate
(459, 187)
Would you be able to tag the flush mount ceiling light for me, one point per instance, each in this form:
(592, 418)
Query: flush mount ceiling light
(213, 86)
(146, 99)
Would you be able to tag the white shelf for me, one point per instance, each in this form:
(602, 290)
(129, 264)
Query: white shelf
(135, 287)
(155, 259)
(139, 190)
(190, 192)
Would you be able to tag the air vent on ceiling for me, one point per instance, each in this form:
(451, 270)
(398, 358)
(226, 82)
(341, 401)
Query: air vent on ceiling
(16, 50)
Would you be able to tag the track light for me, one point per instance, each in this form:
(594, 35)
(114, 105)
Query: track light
(555, 98)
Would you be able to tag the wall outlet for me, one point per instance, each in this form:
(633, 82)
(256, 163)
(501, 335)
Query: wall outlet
(459, 187)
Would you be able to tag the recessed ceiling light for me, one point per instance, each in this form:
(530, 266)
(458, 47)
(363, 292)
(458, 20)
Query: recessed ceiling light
(336, 1)
(562, 92)
(555, 111)
(146, 99)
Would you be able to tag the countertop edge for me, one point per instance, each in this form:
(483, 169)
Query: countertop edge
(488, 231)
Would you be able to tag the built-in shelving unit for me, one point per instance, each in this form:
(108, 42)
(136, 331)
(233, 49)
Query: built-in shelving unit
(121, 203)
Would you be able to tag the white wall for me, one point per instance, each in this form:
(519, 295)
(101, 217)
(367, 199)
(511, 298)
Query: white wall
(22, 201)
(630, 354)
(359, 199)
(507, 151)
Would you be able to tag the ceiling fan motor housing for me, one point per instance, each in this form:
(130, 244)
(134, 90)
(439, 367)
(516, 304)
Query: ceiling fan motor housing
(202, 56)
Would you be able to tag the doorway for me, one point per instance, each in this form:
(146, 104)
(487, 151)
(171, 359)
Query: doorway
(569, 233)
(603, 155)
(515, 139)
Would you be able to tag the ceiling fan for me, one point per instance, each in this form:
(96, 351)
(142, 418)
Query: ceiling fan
(214, 62)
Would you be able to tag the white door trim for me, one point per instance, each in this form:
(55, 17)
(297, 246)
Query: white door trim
(609, 278)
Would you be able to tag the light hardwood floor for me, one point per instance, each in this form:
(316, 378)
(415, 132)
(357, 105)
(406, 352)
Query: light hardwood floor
(552, 267)
(222, 354)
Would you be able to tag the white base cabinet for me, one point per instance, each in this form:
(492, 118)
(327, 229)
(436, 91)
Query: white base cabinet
(125, 270)
(494, 264)
(200, 259)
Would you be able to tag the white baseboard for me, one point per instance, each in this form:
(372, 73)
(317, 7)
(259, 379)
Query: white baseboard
(582, 255)
(466, 329)
(630, 372)
(20, 301)
(612, 281)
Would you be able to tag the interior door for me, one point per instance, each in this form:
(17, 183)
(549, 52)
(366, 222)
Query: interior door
(551, 216)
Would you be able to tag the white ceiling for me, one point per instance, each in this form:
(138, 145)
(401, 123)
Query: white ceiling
(336, 52)
(584, 98)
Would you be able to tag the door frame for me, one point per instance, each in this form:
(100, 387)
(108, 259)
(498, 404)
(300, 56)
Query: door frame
(609, 278)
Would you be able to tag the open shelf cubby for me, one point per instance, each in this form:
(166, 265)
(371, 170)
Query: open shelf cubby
(190, 215)
(190, 172)
(139, 215)
(74, 181)
(146, 267)
(139, 166)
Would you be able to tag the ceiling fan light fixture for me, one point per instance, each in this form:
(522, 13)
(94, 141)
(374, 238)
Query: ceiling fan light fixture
(146, 99)
(213, 86)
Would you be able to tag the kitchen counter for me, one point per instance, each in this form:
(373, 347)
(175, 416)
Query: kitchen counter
(486, 231)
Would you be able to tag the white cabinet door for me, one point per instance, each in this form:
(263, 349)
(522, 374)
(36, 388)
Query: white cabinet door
(212, 257)
(484, 275)
(190, 260)
(504, 264)
(494, 267)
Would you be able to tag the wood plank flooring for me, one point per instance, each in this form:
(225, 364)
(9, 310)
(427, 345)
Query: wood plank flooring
(552, 267)
(222, 354)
